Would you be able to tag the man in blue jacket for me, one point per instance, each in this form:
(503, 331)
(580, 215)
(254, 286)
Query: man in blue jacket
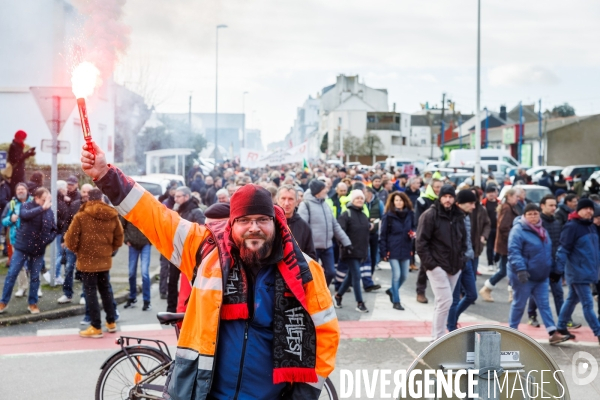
(529, 268)
(579, 256)
(37, 230)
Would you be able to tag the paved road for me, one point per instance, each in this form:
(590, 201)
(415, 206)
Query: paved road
(63, 366)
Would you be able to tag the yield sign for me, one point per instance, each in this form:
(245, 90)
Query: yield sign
(56, 104)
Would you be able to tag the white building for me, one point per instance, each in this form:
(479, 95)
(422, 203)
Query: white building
(35, 35)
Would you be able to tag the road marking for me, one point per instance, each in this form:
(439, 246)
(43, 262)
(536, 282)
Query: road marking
(140, 327)
(58, 332)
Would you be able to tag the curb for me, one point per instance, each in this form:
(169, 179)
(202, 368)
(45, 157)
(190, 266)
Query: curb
(69, 311)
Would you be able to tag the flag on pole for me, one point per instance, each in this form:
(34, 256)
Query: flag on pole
(305, 166)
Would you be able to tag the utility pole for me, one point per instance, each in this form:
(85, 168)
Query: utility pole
(190, 114)
(216, 152)
(477, 119)
(520, 132)
(442, 124)
(541, 156)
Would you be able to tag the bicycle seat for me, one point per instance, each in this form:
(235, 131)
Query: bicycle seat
(167, 318)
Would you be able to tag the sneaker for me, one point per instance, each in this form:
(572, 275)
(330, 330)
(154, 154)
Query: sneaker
(59, 281)
(85, 321)
(398, 306)
(130, 303)
(163, 296)
(3, 307)
(573, 325)
(533, 321)
(389, 293)
(360, 307)
(557, 338)
(82, 301)
(477, 273)
(20, 293)
(64, 299)
(33, 308)
(491, 268)
(421, 298)
(413, 267)
(486, 294)
(372, 288)
(46, 276)
(40, 294)
(147, 306)
(565, 332)
(112, 328)
(91, 332)
(337, 301)
(117, 315)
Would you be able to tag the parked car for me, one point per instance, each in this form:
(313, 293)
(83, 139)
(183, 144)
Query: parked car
(533, 193)
(157, 184)
(538, 175)
(459, 177)
(585, 170)
(588, 183)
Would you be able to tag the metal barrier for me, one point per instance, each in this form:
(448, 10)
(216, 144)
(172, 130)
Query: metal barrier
(502, 355)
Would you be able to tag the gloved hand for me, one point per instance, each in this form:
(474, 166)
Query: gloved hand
(349, 249)
(523, 276)
(554, 277)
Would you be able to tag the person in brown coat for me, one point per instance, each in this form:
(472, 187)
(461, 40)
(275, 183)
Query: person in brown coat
(94, 235)
(506, 216)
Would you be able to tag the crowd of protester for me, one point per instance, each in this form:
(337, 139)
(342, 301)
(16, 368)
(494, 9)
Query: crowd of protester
(347, 219)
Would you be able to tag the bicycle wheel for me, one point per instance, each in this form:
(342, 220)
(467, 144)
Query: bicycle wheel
(119, 375)
(328, 391)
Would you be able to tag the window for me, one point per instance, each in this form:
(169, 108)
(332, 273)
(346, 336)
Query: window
(511, 161)
(423, 141)
(492, 168)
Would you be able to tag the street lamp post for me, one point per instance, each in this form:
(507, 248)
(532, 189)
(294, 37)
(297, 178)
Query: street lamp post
(477, 119)
(244, 112)
(217, 95)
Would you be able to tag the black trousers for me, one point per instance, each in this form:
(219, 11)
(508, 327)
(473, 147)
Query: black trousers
(98, 282)
(489, 247)
(422, 280)
(374, 249)
(173, 288)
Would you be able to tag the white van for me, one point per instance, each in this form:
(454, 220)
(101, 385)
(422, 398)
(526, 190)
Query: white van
(460, 156)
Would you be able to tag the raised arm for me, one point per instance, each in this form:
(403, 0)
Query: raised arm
(175, 238)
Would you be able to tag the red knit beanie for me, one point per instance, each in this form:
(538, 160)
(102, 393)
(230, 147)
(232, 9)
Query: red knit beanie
(20, 136)
(249, 200)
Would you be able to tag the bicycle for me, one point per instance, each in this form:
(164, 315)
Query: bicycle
(139, 371)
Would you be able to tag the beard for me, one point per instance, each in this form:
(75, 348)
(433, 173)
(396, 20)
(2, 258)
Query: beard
(252, 257)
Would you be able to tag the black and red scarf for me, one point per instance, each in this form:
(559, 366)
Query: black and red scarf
(294, 334)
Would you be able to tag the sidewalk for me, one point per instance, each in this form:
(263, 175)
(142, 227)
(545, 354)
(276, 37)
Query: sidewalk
(17, 312)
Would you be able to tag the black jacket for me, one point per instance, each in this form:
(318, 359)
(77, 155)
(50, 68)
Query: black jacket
(356, 225)
(394, 240)
(211, 195)
(133, 235)
(303, 235)
(441, 238)
(562, 214)
(37, 230)
(423, 204)
(553, 227)
(413, 196)
(65, 212)
(190, 210)
(16, 158)
(197, 185)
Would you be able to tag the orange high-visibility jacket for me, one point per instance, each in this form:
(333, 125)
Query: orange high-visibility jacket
(180, 242)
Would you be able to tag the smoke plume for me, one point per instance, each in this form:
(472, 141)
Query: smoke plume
(103, 35)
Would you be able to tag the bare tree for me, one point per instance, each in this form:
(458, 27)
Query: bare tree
(371, 145)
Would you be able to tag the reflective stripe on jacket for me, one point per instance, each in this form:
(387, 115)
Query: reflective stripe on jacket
(180, 242)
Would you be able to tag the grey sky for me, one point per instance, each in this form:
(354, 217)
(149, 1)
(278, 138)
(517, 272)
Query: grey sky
(282, 51)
